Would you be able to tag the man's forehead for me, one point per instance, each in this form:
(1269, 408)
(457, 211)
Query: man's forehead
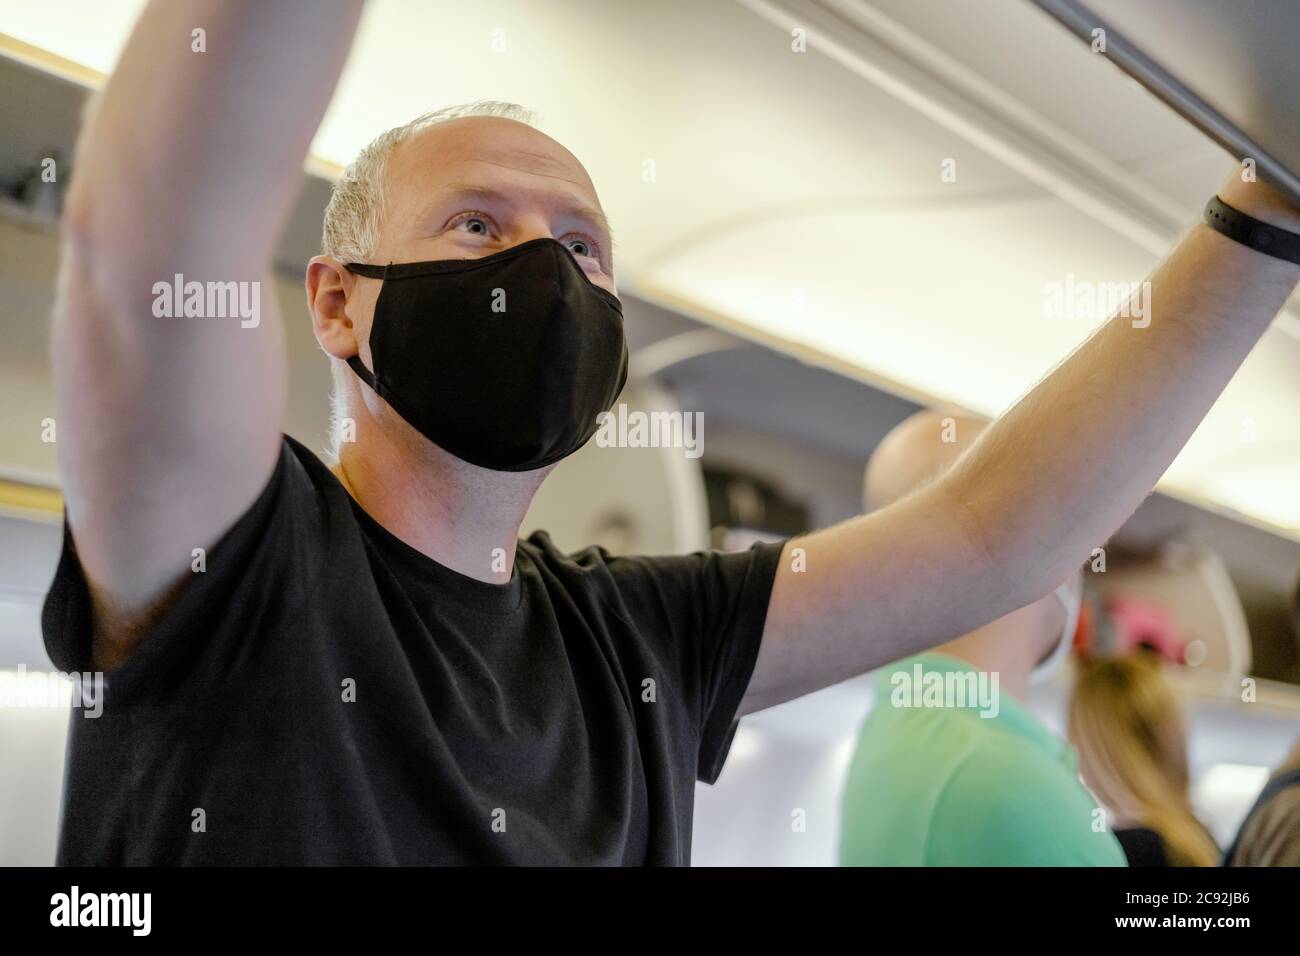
(491, 152)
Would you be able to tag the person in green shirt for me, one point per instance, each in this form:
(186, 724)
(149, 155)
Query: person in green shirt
(950, 768)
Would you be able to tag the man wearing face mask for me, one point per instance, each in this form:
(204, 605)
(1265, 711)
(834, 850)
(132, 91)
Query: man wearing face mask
(363, 663)
(966, 775)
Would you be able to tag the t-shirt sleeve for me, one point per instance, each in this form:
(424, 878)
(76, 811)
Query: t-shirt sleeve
(710, 608)
(202, 635)
(1001, 808)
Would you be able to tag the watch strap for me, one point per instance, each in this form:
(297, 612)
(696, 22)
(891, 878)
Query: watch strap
(1249, 231)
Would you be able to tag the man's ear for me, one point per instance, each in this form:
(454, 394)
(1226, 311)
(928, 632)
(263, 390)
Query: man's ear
(333, 296)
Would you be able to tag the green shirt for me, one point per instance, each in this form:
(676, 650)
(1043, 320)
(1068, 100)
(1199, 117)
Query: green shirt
(964, 782)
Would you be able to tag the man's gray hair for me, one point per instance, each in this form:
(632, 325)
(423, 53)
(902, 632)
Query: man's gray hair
(356, 206)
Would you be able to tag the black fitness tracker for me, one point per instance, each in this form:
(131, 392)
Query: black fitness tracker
(1249, 231)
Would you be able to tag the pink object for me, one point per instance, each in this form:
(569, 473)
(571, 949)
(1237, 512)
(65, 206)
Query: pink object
(1139, 623)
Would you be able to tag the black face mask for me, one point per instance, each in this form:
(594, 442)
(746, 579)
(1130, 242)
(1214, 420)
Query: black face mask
(504, 361)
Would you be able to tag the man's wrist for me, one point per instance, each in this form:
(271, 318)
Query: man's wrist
(1260, 201)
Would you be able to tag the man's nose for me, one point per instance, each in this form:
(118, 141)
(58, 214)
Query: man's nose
(529, 228)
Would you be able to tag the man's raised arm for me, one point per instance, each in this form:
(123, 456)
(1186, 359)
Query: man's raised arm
(187, 167)
(1044, 485)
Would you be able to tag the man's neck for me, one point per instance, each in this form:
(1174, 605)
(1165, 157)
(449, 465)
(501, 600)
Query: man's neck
(995, 649)
(1011, 645)
(464, 517)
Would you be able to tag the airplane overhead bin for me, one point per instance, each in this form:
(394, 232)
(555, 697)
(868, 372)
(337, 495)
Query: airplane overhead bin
(1229, 68)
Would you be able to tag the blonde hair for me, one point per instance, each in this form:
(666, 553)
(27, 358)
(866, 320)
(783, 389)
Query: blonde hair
(1129, 731)
(351, 228)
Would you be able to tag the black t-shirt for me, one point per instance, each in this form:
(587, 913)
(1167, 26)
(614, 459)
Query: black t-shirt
(324, 693)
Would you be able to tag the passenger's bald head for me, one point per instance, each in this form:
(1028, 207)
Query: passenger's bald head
(916, 452)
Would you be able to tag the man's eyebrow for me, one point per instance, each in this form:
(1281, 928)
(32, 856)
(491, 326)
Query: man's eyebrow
(463, 190)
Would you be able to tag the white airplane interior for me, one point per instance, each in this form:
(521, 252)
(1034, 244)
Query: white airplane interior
(928, 207)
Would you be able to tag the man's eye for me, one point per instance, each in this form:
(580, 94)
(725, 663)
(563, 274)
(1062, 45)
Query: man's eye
(476, 225)
(581, 247)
